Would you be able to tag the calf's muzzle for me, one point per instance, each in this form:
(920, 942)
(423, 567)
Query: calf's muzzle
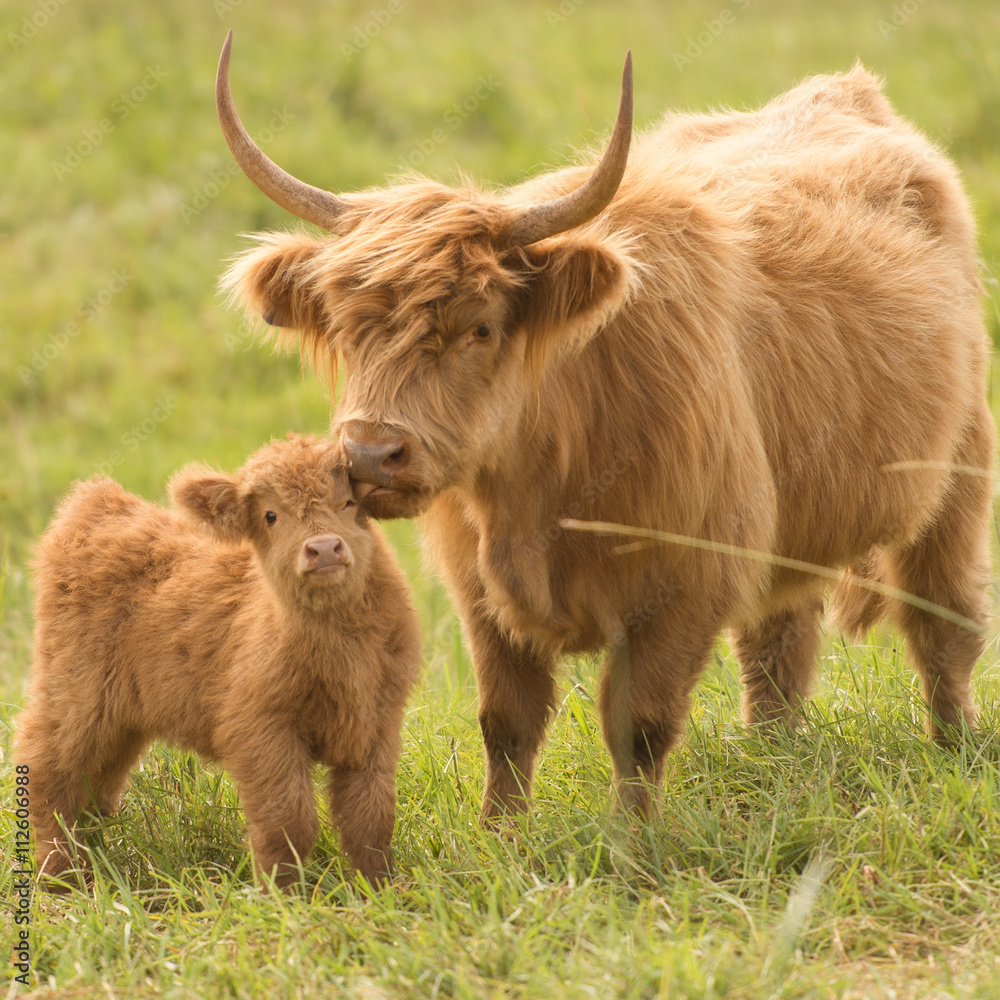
(324, 553)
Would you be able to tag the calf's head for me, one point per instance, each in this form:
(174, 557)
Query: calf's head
(444, 306)
(292, 501)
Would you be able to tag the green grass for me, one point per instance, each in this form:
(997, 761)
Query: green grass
(852, 859)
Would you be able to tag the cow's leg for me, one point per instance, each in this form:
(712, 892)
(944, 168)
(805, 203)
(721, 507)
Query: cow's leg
(950, 565)
(645, 696)
(777, 658)
(516, 699)
(516, 685)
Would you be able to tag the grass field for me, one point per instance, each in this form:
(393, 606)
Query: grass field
(849, 860)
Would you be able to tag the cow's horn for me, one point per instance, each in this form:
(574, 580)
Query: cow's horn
(575, 208)
(307, 202)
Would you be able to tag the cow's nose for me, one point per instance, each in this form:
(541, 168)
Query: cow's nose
(376, 461)
(324, 552)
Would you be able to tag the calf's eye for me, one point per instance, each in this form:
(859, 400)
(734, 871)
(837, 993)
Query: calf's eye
(270, 517)
(482, 332)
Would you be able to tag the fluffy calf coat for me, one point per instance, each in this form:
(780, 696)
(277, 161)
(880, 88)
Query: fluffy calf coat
(769, 337)
(281, 635)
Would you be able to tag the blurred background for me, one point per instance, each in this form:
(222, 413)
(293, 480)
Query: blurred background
(119, 203)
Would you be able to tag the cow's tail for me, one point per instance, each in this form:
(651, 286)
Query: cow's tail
(853, 609)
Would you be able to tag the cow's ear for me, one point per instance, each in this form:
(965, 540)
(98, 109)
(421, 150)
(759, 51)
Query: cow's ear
(575, 284)
(276, 281)
(213, 499)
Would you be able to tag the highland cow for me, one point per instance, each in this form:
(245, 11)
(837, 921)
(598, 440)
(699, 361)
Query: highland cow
(761, 330)
(263, 623)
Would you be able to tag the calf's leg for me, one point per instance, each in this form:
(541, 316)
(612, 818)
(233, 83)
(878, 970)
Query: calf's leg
(276, 790)
(110, 779)
(65, 753)
(363, 806)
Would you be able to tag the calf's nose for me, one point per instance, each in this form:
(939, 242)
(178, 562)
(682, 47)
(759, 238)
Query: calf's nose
(324, 552)
(376, 461)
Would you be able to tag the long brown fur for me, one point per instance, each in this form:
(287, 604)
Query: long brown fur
(203, 627)
(776, 308)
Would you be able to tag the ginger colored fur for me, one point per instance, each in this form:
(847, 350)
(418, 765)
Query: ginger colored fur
(211, 628)
(777, 309)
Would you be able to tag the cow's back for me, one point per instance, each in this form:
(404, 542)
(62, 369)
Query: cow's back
(827, 251)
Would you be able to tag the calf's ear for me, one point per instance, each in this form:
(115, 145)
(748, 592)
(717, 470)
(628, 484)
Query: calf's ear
(213, 499)
(276, 282)
(575, 284)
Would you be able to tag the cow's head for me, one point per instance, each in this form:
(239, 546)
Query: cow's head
(444, 305)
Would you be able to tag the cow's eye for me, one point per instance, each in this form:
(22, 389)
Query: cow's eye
(349, 504)
(482, 331)
(270, 517)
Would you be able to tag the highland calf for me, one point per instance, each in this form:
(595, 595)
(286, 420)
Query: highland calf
(264, 624)
(761, 329)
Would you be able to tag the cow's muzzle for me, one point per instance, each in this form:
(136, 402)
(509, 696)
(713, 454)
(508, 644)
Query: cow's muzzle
(388, 470)
(377, 461)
